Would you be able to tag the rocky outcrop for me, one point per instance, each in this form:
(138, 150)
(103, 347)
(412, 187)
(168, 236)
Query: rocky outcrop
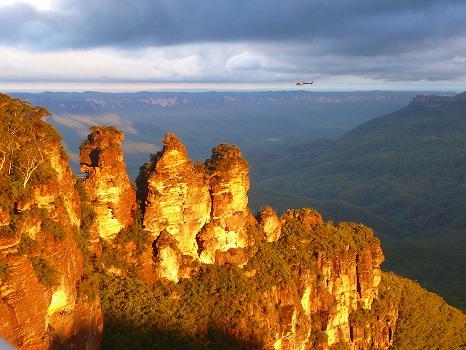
(106, 184)
(176, 196)
(270, 223)
(317, 310)
(203, 206)
(229, 186)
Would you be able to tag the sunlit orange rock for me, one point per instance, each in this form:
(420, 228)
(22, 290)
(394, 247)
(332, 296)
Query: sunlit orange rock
(40, 306)
(229, 186)
(270, 223)
(176, 195)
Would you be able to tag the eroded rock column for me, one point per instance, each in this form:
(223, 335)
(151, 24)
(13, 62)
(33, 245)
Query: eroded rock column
(107, 184)
(176, 196)
(229, 186)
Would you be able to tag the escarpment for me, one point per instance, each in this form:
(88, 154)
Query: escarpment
(40, 239)
(180, 260)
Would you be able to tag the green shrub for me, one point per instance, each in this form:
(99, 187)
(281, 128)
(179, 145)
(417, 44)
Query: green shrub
(88, 286)
(26, 245)
(3, 269)
(11, 228)
(112, 257)
(133, 233)
(6, 230)
(45, 272)
(271, 266)
(44, 174)
(54, 228)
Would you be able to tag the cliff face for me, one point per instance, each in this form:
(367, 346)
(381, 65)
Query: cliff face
(229, 185)
(439, 103)
(177, 196)
(316, 310)
(42, 263)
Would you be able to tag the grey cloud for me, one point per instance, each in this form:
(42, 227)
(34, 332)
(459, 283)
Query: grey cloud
(440, 63)
(131, 147)
(391, 40)
(357, 27)
(243, 61)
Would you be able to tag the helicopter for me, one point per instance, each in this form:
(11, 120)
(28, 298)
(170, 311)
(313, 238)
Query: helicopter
(302, 82)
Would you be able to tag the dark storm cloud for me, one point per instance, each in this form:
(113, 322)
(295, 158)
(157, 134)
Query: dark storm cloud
(356, 27)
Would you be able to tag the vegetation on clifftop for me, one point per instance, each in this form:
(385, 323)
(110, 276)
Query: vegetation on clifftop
(216, 307)
(27, 145)
(23, 147)
(45, 272)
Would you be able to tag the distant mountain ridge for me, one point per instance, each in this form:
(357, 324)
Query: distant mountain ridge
(439, 102)
(99, 100)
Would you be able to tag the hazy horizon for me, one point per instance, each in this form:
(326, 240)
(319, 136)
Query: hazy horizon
(201, 88)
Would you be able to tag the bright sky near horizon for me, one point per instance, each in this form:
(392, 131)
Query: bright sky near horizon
(263, 44)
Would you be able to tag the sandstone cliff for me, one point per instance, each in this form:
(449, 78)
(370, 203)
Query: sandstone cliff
(229, 185)
(439, 103)
(40, 306)
(328, 282)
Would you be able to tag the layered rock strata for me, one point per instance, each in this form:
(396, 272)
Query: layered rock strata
(229, 186)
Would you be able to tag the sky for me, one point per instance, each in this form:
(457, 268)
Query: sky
(222, 44)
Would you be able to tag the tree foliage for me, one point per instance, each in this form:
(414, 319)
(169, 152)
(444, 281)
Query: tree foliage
(3, 269)
(45, 272)
(24, 144)
(425, 320)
